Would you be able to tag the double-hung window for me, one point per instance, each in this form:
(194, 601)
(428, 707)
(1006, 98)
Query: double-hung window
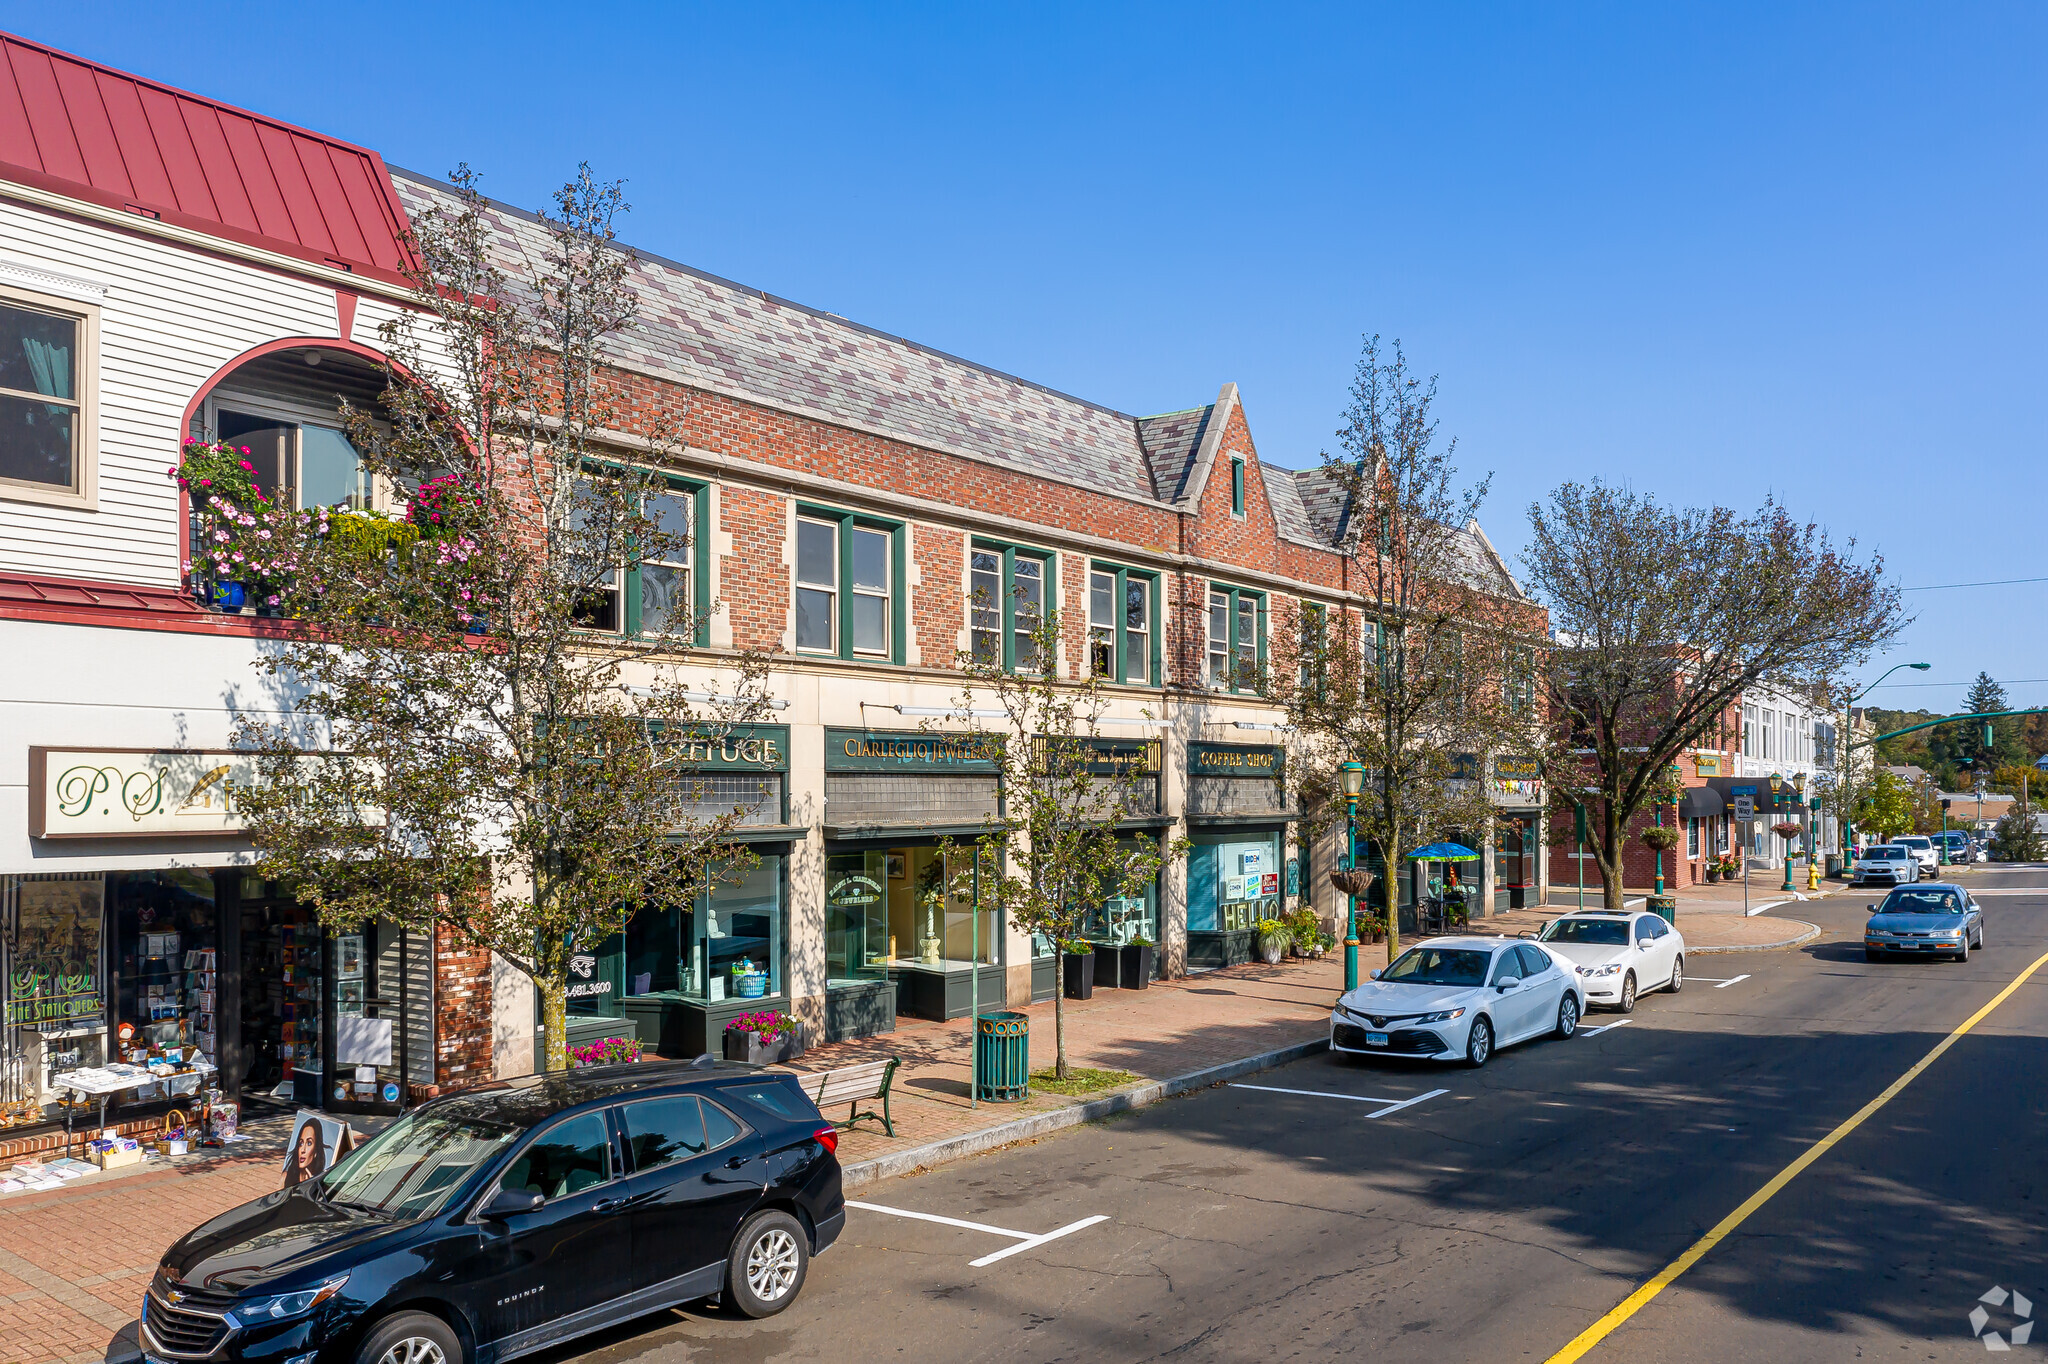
(1008, 589)
(1312, 648)
(1120, 633)
(1520, 684)
(848, 571)
(1237, 638)
(47, 420)
(667, 592)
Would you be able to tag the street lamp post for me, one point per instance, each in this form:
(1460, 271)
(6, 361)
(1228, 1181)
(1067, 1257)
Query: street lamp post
(1352, 775)
(1843, 784)
(1778, 784)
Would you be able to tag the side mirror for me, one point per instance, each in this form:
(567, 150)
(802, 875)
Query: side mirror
(1508, 983)
(511, 1203)
(1375, 975)
(1870, 909)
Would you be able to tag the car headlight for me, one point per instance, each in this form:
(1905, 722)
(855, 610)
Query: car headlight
(1609, 969)
(1441, 1016)
(283, 1306)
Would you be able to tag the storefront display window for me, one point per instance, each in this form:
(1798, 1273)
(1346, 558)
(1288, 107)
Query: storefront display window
(1234, 881)
(167, 940)
(725, 944)
(856, 918)
(923, 919)
(55, 994)
(1126, 918)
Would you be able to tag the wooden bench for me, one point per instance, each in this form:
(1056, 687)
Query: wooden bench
(854, 1085)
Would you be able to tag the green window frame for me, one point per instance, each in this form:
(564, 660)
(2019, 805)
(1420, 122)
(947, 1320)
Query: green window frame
(842, 581)
(998, 632)
(1230, 654)
(1312, 644)
(627, 612)
(1117, 651)
(1237, 485)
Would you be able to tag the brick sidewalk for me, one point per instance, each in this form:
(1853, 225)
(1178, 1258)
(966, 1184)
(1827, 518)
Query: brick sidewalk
(74, 1262)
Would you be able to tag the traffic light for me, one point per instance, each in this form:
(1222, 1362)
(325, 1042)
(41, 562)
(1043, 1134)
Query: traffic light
(1944, 802)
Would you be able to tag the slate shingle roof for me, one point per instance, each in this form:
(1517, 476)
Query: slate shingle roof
(715, 334)
(1171, 441)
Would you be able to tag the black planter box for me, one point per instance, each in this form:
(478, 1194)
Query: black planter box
(1108, 973)
(1134, 962)
(1078, 971)
(753, 1049)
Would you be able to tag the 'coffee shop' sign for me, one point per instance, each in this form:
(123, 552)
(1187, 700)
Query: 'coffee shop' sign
(137, 792)
(1235, 760)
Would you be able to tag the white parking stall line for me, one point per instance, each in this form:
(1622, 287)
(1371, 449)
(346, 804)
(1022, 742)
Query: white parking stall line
(1068, 1229)
(1736, 980)
(1025, 1240)
(1595, 1032)
(1391, 1105)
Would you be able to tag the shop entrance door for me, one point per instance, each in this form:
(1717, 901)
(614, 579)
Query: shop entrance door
(367, 1049)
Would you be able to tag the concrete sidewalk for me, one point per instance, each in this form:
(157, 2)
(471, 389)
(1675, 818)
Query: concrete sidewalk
(74, 1261)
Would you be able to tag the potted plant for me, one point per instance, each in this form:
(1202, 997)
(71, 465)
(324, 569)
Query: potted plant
(1077, 968)
(1274, 939)
(1713, 871)
(761, 1039)
(1134, 962)
(1662, 837)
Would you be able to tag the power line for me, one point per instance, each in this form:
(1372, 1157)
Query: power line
(2002, 582)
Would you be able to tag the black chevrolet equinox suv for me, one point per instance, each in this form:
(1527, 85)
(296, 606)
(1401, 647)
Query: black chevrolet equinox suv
(513, 1216)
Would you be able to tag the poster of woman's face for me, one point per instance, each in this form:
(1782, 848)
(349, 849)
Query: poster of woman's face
(317, 1143)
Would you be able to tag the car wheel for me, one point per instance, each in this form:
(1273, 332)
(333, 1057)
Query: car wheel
(1479, 1042)
(766, 1268)
(411, 1338)
(1567, 1015)
(1627, 1002)
(1677, 975)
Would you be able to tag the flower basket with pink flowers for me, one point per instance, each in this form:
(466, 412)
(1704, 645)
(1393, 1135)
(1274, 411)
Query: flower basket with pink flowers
(763, 1038)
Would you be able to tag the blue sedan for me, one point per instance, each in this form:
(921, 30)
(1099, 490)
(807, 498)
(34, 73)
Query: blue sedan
(1934, 920)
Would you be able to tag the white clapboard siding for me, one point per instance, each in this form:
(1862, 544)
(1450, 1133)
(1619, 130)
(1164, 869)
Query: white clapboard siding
(169, 320)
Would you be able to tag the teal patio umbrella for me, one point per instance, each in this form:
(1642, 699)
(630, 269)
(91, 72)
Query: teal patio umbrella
(1444, 852)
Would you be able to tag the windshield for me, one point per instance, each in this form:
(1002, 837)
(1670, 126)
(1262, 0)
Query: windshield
(1593, 932)
(1915, 843)
(1921, 902)
(410, 1168)
(1437, 966)
(1886, 854)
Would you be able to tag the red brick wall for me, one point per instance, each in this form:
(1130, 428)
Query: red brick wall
(938, 606)
(462, 1012)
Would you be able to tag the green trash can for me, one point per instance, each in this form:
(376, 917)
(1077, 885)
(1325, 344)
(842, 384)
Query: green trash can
(1664, 907)
(1002, 1056)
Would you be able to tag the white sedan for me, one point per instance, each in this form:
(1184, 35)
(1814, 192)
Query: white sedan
(1459, 999)
(1618, 956)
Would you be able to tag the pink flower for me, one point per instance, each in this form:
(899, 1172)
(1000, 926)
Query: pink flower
(206, 483)
(270, 600)
(245, 449)
(247, 465)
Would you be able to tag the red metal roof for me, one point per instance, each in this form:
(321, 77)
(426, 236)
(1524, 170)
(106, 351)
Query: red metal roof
(89, 132)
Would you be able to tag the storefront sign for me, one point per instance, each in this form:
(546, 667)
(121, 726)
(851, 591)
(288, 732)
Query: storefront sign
(744, 748)
(1107, 757)
(881, 750)
(1235, 760)
(1706, 764)
(53, 975)
(138, 792)
(1517, 768)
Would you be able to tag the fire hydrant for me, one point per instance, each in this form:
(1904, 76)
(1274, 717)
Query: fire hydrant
(1812, 874)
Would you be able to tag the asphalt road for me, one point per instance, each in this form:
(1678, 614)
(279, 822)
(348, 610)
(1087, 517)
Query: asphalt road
(1500, 1218)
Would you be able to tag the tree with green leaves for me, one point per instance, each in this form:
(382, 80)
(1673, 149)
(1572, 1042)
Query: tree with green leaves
(1057, 853)
(1664, 618)
(1886, 808)
(2017, 835)
(508, 764)
(1437, 677)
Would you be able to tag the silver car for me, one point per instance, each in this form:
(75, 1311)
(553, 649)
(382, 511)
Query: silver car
(1887, 862)
(1938, 920)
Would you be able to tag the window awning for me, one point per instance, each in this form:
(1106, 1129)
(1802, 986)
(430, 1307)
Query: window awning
(1701, 802)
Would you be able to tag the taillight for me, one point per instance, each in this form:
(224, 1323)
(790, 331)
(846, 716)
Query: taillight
(827, 1137)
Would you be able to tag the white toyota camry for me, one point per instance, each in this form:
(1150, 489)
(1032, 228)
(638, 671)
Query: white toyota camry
(1459, 999)
(1618, 956)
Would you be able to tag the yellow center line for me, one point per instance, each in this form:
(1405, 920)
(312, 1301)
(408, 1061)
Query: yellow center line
(1636, 1301)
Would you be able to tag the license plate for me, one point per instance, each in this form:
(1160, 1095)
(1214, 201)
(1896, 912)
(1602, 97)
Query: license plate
(152, 1359)
(1375, 1039)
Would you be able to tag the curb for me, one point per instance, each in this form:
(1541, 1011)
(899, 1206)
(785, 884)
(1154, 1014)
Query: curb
(1039, 1124)
(1812, 932)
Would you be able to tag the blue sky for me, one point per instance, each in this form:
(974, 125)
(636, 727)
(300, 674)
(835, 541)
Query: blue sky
(1719, 253)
